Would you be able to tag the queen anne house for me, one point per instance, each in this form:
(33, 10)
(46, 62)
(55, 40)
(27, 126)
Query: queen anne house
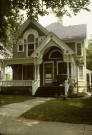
(46, 57)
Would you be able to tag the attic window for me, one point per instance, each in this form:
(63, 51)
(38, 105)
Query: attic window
(20, 48)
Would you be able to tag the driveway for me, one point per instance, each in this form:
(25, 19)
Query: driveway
(11, 124)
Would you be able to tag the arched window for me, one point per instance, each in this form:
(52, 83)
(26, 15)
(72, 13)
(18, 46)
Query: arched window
(31, 38)
(31, 42)
(56, 54)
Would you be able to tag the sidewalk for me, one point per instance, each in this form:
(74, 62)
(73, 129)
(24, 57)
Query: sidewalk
(10, 124)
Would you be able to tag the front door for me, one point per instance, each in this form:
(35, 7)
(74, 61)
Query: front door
(61, 72)
(48, 72)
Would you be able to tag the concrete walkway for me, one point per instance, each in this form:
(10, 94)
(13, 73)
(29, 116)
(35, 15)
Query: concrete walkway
(10, 124)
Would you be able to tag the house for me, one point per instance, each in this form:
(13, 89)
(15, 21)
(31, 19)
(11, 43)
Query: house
(4, 53)
(46, 57)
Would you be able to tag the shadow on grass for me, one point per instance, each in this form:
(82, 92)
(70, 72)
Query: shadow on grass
(70, 111)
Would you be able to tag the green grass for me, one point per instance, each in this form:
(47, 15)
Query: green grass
(8, 99)
(70, 110)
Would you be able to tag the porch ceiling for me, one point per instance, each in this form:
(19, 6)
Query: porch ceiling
(13, 61)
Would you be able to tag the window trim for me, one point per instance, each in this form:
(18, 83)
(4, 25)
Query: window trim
(81, 77)
(77, 48)
(56, 50)
(22, 48)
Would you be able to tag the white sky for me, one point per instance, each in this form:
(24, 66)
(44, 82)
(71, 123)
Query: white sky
(83, 17)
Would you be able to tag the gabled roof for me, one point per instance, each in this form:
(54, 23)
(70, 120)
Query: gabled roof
(68, 32)
(44, 45)
(27, 23)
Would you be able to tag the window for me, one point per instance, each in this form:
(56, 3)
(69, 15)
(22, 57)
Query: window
(80, 72)
(31, 42)
(78, 48)
(20, 48)
(56, 54)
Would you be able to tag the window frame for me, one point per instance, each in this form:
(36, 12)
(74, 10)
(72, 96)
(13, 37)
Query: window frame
(18, 50)
(76, 48)
(81, 72)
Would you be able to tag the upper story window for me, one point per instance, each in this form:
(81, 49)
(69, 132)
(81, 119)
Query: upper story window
(30, 44)
(78, 49)
(20, 48)
(31, 41)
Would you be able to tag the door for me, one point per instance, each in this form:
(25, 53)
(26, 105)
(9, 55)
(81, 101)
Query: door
(48, 72)
(61, 72)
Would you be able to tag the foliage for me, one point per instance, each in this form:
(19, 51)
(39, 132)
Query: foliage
(70, 111)
(89, 55)
(8, 9)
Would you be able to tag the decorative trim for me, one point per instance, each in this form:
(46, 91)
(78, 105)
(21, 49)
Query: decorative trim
(56, 50)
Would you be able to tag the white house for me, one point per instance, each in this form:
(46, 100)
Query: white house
(46, 57)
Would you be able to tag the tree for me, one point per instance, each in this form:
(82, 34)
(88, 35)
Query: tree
(89, 55)
(8, 8)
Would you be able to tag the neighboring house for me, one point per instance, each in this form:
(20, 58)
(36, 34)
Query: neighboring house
(4, 53)
(46, 57)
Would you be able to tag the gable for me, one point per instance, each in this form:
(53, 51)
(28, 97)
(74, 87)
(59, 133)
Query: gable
(28, 24)
(51, 41)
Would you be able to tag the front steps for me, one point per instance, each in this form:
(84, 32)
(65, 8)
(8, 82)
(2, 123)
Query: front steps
(50, 91)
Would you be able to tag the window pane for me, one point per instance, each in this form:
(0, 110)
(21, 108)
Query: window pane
(31, 38)
(78, 48)
(20, 48)
(30, 49)
(56, 55)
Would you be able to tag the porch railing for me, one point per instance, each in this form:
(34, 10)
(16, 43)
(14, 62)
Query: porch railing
(16, 83)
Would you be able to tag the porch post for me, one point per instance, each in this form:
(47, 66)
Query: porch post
(2, 71)
(35, 71)
(38, 72)
(67, 69)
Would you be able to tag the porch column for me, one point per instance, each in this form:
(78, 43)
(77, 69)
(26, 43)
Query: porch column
(35, 72)
(67, 69)
(2, 71)
(38, 72)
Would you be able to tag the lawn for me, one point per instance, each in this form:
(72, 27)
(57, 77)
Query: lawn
(7, 99)
(70, 110)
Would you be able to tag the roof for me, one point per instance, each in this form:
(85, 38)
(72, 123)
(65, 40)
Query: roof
(68, 32)
(27, 23)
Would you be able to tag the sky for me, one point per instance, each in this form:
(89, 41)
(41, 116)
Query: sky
(83, 17)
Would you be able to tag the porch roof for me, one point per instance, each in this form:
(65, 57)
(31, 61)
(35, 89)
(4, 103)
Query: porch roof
(13, 61)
